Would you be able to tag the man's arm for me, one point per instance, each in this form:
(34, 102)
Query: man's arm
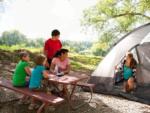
(45, 50)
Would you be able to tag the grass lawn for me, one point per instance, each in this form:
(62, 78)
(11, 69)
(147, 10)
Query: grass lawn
(78, 62)
(84, 62)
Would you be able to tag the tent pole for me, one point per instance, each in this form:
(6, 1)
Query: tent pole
(138, 57)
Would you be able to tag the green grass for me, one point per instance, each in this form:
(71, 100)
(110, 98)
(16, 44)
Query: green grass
(84, 62)
(16, 47)
(78, 62)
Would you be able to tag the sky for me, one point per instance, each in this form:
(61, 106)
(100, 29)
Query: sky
(37, 18)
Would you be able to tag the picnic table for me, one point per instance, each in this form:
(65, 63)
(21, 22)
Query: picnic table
(67, 80)
(74, 81)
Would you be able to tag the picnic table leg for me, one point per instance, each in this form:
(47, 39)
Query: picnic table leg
(68, 96)
(73, 89)
(41, 108)
(91, 91)
(72, 92)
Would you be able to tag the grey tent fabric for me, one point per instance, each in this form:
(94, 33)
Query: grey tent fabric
(103, 76)
(143, 69)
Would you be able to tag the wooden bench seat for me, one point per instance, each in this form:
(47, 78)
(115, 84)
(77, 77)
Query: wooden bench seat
(88, 85)
(47, 99)
(82, 84)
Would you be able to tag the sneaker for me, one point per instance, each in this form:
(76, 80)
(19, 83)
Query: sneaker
(20, 102)
(51, 108)
(33, 106)
(26, 102)
(124, 91)
(36, 106)
(131, 92)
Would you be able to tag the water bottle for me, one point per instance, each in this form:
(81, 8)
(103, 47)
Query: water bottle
(56, 69)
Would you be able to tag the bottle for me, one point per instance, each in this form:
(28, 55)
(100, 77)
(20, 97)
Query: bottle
(56, 69)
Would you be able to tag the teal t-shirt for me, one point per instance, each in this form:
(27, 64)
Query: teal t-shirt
(36, 77)
(19, 76)
(127, 72)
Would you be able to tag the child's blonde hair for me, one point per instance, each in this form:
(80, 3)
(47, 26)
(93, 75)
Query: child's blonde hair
(39, 59)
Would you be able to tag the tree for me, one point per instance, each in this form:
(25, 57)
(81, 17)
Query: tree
(12, 38)
(76, 46)
(103, 44)
(39, 42)
(116, 16)
(122, 12)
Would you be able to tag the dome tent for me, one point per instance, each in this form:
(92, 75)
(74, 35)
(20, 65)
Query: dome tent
(137, 41)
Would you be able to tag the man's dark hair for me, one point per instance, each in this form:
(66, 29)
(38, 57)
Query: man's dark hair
(39, 59)
(23, 54)
(55, 32)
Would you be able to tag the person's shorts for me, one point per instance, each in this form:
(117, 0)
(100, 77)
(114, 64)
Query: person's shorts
(26, 85)
(49, 60)
(128, 78)
(38, 89)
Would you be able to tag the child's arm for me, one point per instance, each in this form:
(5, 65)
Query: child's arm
(45, 74)
(46, 64)
(52, 68)
(27, 70)
(67, 70)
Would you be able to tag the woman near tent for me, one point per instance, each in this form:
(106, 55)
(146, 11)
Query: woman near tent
(128, 72)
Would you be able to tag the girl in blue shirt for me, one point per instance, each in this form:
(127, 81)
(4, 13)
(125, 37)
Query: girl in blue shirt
(130, 64)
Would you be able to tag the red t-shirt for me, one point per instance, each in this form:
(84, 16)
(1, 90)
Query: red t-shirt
(52, 46)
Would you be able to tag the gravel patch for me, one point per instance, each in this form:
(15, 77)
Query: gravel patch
(122, 105)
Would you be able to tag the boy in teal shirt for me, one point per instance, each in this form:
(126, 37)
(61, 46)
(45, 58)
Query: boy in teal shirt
(38, 74)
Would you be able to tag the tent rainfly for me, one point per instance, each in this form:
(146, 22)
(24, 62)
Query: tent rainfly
(138, 41)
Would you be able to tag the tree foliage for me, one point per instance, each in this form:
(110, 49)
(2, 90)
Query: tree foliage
(12, 38)
(113, 18)
(118, 15)
(100, 48)
(15, 38)
(39, 42)
(77, 46)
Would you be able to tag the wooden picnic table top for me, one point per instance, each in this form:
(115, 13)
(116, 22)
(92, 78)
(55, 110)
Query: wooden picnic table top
(66, 79)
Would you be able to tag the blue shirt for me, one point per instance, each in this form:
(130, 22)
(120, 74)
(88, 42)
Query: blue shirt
(127, 72)
(36, 77)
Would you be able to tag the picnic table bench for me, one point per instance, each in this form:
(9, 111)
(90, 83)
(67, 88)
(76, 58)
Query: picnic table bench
(46, 99)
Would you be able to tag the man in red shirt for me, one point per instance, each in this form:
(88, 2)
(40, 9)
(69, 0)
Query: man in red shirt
(52, 45)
